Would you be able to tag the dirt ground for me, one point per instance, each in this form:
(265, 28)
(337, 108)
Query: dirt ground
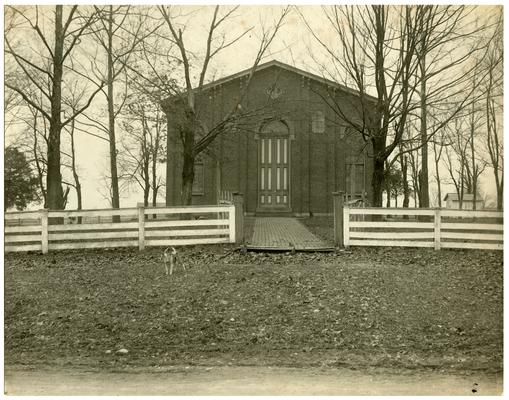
(389, 308)
(248, 381)
(367, 321)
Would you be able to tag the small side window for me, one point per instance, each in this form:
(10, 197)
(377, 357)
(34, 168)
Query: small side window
(198, 183)
(318, 122)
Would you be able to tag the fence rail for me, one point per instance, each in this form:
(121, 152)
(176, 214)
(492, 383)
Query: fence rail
(173, 226)
(225, 197)
(406, 227)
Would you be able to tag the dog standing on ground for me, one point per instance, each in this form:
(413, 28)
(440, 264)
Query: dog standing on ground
(171, 256)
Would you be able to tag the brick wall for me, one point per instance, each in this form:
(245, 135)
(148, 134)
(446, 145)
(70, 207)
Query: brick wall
(317, 160)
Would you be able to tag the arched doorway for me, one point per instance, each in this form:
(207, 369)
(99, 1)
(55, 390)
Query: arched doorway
(274, 168)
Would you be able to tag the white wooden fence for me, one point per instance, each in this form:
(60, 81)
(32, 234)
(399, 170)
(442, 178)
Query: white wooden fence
(224, 197)
(437, 228)
(173, 226)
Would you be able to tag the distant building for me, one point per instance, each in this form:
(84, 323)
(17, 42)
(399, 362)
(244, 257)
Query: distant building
(452, 201)
(158, 204)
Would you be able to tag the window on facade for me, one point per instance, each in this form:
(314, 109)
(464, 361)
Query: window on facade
(198, 183)
(355, 178)
(318, 122)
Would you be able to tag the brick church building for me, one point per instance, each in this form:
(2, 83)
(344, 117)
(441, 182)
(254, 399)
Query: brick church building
(290, 156)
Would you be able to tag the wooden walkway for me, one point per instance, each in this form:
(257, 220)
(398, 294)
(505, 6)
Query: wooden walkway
(275, 233)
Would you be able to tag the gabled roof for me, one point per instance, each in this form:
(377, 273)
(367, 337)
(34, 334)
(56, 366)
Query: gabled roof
(454, 197)
(287, 67)
(276, 63)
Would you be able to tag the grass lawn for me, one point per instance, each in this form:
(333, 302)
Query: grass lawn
(369, 307)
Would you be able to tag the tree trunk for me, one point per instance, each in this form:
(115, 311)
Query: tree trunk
(154, 199)
(421, 179)
(154, 178)
(474, 167)
(500, 194)
(404, 179)
(493, 144)
(55, 195)
(154, 174)
(462, 187)
(64, 201)
(146, 192)
(439, 189)
(155, 154)
(77, 183)
(415, 179)
(40, 174)
(154, 196)
(115, 197)
(458, 192)
(187, 179)
(437, 172)
(474, 206)
(423, 176)
(145, 158)
(406, 189)
(414, 166)
(188, 156)
(79, 196)
(377, 183)
(146, 173)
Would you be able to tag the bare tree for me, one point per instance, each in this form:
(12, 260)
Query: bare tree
(494, 144)
(415, 168)
(405, 191)
(462, 162)
(144, 145)
(45, 65)
(120, 33)
(77, 183)
(376, 53)
(456, 170)
(34, 142)
(473, 165)
(447, 42)
(439, 142)
(73, 101)
(410, 59)
(493, 63)
(193, 133)
(404, 159)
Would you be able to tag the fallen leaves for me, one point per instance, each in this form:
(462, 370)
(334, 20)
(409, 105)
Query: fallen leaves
(253, 304)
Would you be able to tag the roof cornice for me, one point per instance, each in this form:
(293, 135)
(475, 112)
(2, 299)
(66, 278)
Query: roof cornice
(276, 63)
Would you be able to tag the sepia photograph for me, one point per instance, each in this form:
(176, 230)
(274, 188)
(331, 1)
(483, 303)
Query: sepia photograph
(218, 200)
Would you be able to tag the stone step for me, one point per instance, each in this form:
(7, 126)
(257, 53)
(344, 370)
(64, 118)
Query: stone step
(285, 214)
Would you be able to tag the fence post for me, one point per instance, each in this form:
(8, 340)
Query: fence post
(338, 218)
(346, 226)
(231, 223)
(141, 227)
(44, 231)
(238, 202)
(438, 223)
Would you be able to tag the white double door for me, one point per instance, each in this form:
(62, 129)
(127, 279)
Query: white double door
(274, 173)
